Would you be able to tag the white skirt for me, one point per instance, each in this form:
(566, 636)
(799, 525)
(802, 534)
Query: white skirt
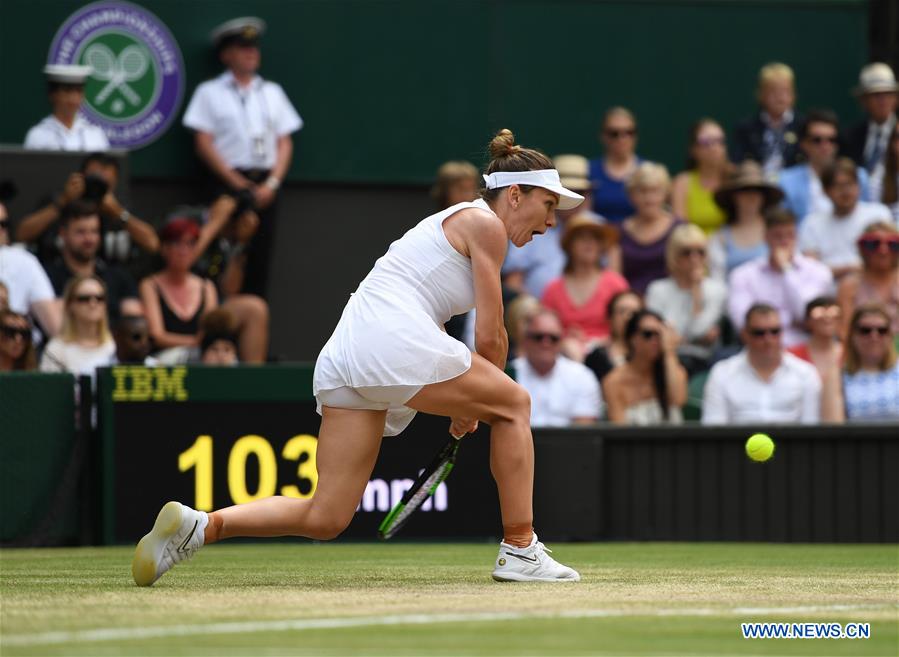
(386, 358)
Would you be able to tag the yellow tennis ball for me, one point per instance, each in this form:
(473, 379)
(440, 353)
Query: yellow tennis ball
(759, 447)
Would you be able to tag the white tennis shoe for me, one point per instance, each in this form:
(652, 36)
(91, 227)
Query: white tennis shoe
(530, 564)
(176, 536)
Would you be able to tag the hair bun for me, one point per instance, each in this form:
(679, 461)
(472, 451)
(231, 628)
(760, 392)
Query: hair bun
(503, 144)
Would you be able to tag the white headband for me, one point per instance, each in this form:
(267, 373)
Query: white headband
(545, 178)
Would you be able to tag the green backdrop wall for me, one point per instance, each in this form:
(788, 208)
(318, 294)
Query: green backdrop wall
(390, 88)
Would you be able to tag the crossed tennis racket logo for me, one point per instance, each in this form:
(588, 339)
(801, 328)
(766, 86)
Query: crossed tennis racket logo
(130, 66)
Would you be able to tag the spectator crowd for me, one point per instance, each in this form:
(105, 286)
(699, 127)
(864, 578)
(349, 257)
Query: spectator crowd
(760, 283)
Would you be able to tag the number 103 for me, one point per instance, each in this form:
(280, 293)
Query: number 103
(199, 458)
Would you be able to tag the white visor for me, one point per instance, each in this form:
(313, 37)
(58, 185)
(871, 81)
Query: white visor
(545, 178)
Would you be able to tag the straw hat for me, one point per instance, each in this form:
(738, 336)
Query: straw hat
(574, 172)
(876, 78)
(748, 175)
(583, 222)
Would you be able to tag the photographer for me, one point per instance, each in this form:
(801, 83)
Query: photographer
(232, 220)
(95, 181)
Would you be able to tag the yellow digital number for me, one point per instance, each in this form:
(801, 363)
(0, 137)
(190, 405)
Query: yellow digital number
(199, 456)
(237, 469)
(295, 448)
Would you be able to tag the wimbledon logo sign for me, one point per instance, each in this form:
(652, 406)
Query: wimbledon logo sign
(137, 84)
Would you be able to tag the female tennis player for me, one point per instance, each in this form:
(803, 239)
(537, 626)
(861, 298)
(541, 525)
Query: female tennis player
(389, 358)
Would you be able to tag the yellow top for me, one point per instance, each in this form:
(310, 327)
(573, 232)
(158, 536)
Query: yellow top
(701, 207)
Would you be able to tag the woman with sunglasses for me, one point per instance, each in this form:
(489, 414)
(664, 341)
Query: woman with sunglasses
(878, 281)
(16, 349)
(176, 298)
(651, 387)
(692, 192)
(84, 343)
(692, 303)
(619, 310)
(871, 377)
(610, 172)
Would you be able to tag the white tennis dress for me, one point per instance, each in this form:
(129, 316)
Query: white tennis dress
(389, 341)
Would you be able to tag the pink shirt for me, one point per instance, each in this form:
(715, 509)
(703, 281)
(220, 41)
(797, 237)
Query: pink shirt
(590, 317)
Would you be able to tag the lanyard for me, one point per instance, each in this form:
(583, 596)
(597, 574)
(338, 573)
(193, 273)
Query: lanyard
(263, 104)
(257, 142)
(61, 136)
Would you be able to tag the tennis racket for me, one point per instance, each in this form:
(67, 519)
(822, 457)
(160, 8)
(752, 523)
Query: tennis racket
(421, 490)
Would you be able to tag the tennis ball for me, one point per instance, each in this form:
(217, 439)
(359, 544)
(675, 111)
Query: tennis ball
(759, 447)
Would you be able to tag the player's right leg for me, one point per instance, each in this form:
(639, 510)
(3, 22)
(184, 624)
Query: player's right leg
(348, 445)
(486, 393)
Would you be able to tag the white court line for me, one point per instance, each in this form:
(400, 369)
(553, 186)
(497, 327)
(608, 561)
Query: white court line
(162, 631)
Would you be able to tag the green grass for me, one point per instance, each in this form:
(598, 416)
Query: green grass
(634, 599)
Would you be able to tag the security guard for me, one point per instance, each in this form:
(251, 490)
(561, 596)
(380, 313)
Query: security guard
(243, 126)
(66, 129)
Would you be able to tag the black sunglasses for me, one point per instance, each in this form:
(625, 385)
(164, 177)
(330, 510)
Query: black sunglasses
(688, 251)
(85, 298)
(868, 330)
(12, 332)
(542, 337)
(760, 332)
(874, 244)
(617, 134)
(4, 223)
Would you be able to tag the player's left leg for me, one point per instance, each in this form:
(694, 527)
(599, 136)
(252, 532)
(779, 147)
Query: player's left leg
(348, 445)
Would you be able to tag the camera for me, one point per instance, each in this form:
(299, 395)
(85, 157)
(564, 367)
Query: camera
(95, 188)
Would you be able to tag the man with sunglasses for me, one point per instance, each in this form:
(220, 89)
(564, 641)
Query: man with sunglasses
(27, 285)
(763, 383)
(563, 392)
(819, 143)
(784, 279)
(830, 236)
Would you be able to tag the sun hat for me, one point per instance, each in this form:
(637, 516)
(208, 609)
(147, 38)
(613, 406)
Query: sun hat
(574, 172)
(876, 78)
(605, 233)
(748, 175)
(546, 178)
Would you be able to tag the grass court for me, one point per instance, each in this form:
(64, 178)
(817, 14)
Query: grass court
(439, 599)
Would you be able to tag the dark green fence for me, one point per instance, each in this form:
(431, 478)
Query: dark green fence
(211, 437)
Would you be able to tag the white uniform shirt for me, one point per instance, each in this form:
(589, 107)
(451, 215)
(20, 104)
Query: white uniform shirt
(735, 394)
(24, 277)
(833, 239)
(570, 390)
(245, 122)
(51, 135)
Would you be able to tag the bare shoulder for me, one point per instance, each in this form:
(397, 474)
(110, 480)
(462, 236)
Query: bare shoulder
(476, 229)
(613, 378)
(848, 286)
